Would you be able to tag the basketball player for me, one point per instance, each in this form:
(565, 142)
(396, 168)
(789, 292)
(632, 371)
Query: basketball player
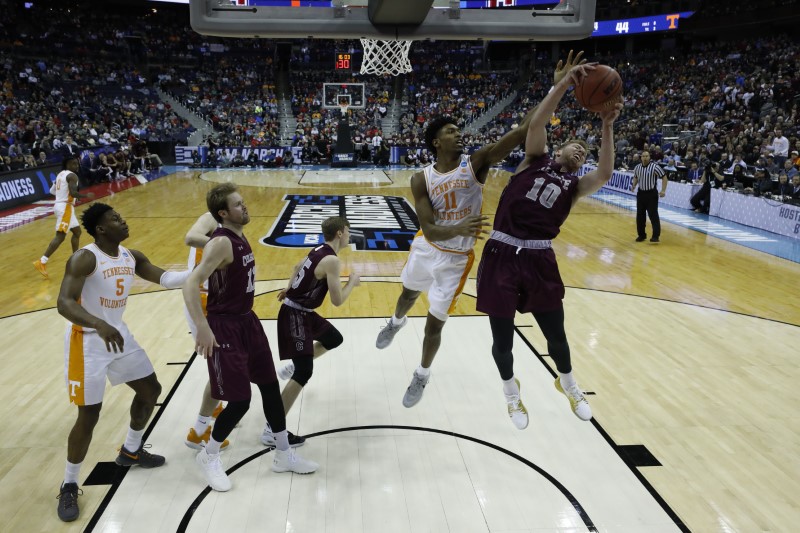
(448, 196)
(231, 338)
(98, 344)
(518, 270)
(303, 335)
(197, 237)
(65, 189)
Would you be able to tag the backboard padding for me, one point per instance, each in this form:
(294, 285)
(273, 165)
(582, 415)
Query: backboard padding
(571, 20)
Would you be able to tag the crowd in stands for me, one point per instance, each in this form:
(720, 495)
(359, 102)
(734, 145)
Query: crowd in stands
(727, 103)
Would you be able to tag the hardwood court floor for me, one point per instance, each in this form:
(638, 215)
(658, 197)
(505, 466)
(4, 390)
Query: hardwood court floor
(690, 347)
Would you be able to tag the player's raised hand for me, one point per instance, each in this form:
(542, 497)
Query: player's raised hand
(111, 336)
(562, 68)
(578, 73)
(612, 112)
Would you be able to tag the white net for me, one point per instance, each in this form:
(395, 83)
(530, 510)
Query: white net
(385, 57)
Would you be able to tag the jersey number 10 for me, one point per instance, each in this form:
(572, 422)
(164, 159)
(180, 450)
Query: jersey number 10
(547, 197)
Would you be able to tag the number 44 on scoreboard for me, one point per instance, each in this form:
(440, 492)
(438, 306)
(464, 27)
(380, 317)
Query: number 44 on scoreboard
(622, 26)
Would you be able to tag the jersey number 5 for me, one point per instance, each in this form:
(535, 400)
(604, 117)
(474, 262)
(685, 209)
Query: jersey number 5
(548, 196)
(301, 274)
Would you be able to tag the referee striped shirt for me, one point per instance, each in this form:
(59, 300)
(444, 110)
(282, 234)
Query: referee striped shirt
(648, 175)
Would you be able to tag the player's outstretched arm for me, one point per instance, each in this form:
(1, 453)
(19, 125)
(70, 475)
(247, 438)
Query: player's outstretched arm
(80, 265)
(154, 274)
(197, 235)
(218, 253)
(470, 226)
(594, 180)
(496, 152)
(332, 267)
(536, 141)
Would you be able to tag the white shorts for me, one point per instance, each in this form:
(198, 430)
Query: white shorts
(87, 364)
(65, 216)
(441, 274)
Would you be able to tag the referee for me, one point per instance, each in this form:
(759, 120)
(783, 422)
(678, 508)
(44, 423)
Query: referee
(645, 174)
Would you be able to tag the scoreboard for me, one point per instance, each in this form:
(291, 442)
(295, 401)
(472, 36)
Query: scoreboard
(666, 22)
(343, 61)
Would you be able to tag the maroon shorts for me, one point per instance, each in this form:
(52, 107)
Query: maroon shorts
(527, 281)
(297, 331)
(243, 357)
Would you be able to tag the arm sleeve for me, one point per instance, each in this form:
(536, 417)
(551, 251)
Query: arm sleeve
(174, 280)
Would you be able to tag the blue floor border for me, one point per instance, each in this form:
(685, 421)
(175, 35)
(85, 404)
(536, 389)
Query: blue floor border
(753, 238)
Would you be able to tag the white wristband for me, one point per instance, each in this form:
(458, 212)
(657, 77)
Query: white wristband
(552, 87)
(174, 280)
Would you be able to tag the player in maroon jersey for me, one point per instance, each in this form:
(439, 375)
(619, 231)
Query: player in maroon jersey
(303, 335)
(231, 337)
(518, 269)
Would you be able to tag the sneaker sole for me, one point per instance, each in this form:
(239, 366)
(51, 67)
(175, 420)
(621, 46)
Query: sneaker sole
(281, 471)
(123, 462)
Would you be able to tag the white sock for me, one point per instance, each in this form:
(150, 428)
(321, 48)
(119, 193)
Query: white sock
(510, 387)
(134, 440)
(201, 424)
(212, 447)
(422, 371)
(397, 321)
(281, 440)
(44, 259)
(72, 471)
(567, 380)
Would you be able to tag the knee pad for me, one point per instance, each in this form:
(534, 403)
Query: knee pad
(303, 369)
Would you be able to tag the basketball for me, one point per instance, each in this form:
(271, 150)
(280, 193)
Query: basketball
(599, 89)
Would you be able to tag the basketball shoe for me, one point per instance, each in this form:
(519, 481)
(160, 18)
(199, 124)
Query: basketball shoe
(217, 410)
(213, 471)
(414, 391)
(387, 334)
(198, 442)
(68, 510)
(38, 265)
(516, 409)
(268, 439)
(577, 401)
(289, 461)
(140, 457)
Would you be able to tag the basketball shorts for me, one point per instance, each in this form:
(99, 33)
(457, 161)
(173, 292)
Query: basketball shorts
(512, 279)
(87, 364)
(441, 274)
(297, 331)
(242, 357)
(65, 216)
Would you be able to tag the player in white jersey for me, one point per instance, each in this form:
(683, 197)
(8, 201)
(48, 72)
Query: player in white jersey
(448, 196)
(98, 344)
(65, 189)
(197, 237)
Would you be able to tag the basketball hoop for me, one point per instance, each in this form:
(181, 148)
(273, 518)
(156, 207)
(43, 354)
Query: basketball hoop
(385, 57)
(344, 106)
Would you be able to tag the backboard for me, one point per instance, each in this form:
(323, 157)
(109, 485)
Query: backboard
(336, 93)
(518, 20)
